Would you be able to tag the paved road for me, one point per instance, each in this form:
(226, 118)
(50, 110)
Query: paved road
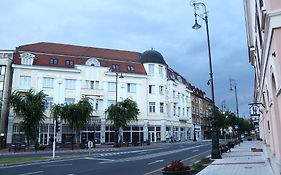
(141, 160)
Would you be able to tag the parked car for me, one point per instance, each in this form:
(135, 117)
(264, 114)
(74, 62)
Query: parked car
(17, 147)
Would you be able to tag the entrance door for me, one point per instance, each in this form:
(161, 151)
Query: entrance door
(152, 137)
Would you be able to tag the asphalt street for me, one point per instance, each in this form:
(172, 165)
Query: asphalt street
(147, 160)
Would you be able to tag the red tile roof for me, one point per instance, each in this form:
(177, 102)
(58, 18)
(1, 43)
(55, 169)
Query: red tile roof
(80, 51)
(79, 54)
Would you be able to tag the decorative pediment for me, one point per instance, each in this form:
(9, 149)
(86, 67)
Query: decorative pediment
(92, 62)
(27, 58)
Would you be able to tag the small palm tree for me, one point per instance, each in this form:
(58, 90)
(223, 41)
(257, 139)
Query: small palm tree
(121, 114)
(76, 115)
(30, 107)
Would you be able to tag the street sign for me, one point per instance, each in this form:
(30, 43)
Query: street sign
(90, 144)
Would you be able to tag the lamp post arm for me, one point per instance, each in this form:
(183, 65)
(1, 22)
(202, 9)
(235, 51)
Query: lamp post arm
(202, 15)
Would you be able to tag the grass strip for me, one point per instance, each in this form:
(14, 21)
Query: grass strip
(11, 160)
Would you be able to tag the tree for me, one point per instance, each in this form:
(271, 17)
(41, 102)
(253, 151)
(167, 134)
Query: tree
(121, 114)
(76, 115)
(30, 107)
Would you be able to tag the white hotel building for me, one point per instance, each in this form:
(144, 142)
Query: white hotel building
(67, 72)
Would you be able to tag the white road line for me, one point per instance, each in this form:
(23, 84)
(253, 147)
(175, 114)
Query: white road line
(36, 172)
(93, 158)
(68, 164)
(157, 161)
(195, 150)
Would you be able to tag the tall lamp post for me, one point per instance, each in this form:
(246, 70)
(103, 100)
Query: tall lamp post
(233, 87)
(116, 85)
(116, 96)
(215, 137)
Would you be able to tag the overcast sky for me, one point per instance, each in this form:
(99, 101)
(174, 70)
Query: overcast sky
(139, 25)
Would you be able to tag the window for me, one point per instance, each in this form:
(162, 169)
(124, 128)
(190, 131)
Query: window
(115, 66)
(97, 105)
(1, 88)
(111, 86)
(131, 68)
(49, 103)
(69, 100)
(183, 111)
(174, 94)
(131, 87)
(2, 70)
(97, 85)
(92, 84)
(151, 106)
(151, 69)
(69, 62)
(174, 109)
(70, 84)
(161, 70)
(161, 107)
(48, 82)
(161, 90)
(179, 111)
(25, 82)
(53, 61)
(151, 89)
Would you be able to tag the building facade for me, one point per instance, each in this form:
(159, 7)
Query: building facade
(263, 24)
(6, 57)
(66, 73)
(201, 110)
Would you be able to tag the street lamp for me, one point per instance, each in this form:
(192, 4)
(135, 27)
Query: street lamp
(116, 76)
(194, 133)
(116, 95)
(204, 15)
(233, 86)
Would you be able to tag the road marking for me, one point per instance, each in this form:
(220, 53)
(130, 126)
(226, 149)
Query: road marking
(68, 164)
(93, 158)
(36, 172)
(153, 155)
(157, 161)
(159, 169)
(195, 150)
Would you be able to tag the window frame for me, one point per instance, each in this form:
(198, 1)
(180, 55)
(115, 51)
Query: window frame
(152, 107)
(69, 62)
(48, 82)
(53, 61)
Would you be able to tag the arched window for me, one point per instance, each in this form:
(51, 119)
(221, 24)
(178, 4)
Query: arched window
(92, 62)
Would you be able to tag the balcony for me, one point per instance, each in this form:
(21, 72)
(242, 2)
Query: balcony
(92, 92)
(183, 118)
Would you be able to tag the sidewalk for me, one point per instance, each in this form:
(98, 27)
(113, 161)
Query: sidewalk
(240, 161)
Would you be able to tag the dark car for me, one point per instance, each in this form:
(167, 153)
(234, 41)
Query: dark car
(17, 147)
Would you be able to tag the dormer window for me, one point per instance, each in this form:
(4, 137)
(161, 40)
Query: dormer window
(179, 78)
(92, 62)
(115, 66)
(53, 61)
(69, 63)
(131, 68)
(27, 58)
